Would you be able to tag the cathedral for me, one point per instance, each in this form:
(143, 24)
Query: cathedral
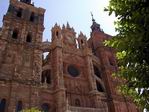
(75, 76)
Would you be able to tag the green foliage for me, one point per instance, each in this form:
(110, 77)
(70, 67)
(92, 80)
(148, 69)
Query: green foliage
(31, 110)
(132, 45)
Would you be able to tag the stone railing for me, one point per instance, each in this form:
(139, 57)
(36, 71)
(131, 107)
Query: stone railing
(86, 109)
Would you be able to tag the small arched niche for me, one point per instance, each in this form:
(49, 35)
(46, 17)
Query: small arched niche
(15, 34)
(45, 107)
(19, 12)
(97, 71)
(57, 33)
(29, 38)
(46, 77)
(77, 102)
(32, 17)
(3, 105)
(82, 42)
(99, 86)
(19, 106)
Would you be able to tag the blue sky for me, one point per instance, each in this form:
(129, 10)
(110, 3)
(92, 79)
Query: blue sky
(76, 12)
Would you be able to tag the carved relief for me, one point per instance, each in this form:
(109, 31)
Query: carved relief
(10, 56)
(70, 40)
(27, 60)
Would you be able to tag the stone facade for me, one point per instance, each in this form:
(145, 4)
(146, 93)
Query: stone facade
(75, 76)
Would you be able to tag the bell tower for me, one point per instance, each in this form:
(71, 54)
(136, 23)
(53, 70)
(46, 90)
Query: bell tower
(106, 55)
(20, 36)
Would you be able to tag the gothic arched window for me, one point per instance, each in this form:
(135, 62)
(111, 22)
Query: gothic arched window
(32, 17)
(99, 87)
(77, 102)
(2, 105)
(15, 34)
(57, 33)
(82, 41)
(96, 71)
(45, 107)
(19, 106)
(29, 38)
(19, 13)
(46, 77)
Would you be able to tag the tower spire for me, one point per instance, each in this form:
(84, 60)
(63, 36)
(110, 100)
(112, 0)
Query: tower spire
(95, 26)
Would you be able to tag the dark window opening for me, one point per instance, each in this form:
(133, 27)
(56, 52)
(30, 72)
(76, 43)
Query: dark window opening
(46, 77)
(57, 33)
(45, 107)
(2, 105)
(73, 71)
(82, 42)
(15, 34)
(96, 71)
(28, 1)
(99, 87)
(77, 103)
(19, 106)
(19, 13)
(111, 62)
(32, 17)
(29, 38)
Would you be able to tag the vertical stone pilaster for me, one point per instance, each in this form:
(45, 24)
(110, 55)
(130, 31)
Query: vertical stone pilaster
(101, 51)
(89, 66)
(58, 72)
(91, 78)
(60, 98)
(37, 65)
(58, 63)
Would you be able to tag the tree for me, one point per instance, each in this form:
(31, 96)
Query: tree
(31, 110)
(132, 45)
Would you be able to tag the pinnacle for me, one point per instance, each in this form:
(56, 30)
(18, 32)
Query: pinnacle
(68, 26)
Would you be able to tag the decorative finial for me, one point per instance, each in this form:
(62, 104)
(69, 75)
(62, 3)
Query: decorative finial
(81, 33)
(55, 25)
(63, 26)
(72, 29)
(68, 26)
(92, 17)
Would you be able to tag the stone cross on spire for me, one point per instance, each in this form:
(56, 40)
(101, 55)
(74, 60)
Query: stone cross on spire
(92, 17)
